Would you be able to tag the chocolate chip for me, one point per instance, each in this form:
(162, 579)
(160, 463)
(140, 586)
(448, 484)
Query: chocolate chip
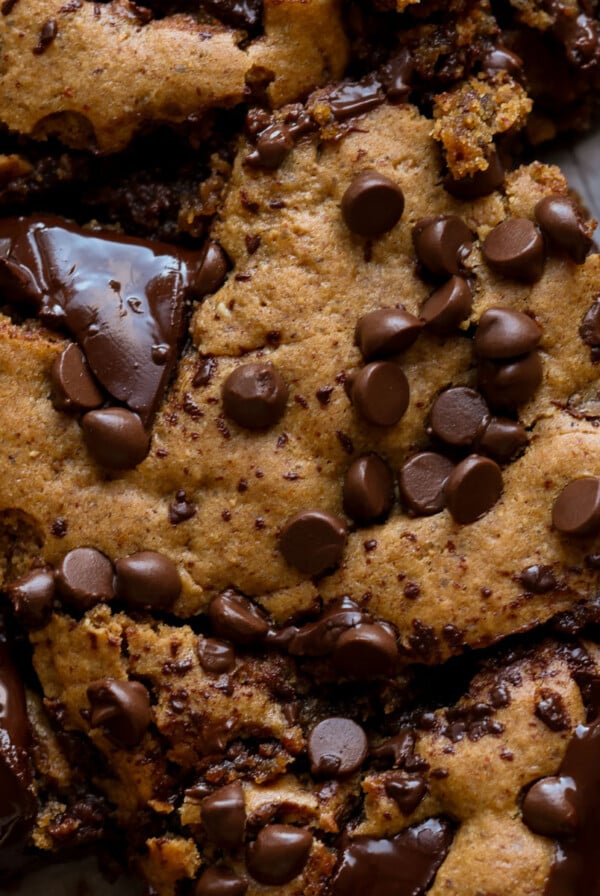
(422, 481)
(515, 248)
(181, 510)
(447, 307)
(380, 393)
(212, 269)
(32, 596)
(336, 747)
(386, 332)
(115, 437)
(224, 816)
(368, 650)
(215, 656)
(563, 225)
(472, 488)
(368, 489)
(255, 395)
(576, 510)
(551, 710)
(372, 204)
(510, 384)
(219, 881)
(482, 183)
(458, 416)
(278, 854)
(313, 541)
(502, 439)
(85, 577)
(548, 807)
(235, 618)
(503, 333)
(121, 709)
(73, 385)
(148, 580)
(272, 146)
(442, 244)
(353, 98)
(538, 579)
(47, 35)
(407, 791)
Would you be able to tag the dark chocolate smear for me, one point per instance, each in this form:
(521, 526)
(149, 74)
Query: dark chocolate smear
(121, 298)
(17, 802)
(404, 865)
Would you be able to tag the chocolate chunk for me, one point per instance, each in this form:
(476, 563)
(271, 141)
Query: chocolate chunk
(313, 541)
(397, 76)
(246, 14)
(18, 804)
(353, 98)
(386, 332)
(447, 307)
(458, 416)
(551, 710)
(372, 204)
(538, 579)
(147, 580)
(502, 439)
(119, 297)
(212, 270)
(115, 437)
(397, 749)
(32, 597)
(319, 638)
(404, 865)
(422, 481)
(255, 395)
(272, 146)
(336, 747)
(47, 35)
(503, 333)
(219, 881)
(501, 59)
(368, 489)
(472, 488)
(512, 383)
(121, 709)
(85, 577)
(224, 816)
(548, 807)
(482, 183)
(380, 393)
(590, 326)
(278, 854)
(576, 510)
(368, 650)
(215, 656)
(563, 225)
(235, 618)
(73, 385)
(407, 791)
(515, 248)
(442, 244)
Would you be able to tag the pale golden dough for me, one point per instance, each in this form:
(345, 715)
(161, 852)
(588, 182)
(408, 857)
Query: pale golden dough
(106, 74)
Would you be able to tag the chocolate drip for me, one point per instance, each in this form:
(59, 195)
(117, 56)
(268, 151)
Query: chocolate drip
(576, 870)
(122, 299)
(17, 802)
